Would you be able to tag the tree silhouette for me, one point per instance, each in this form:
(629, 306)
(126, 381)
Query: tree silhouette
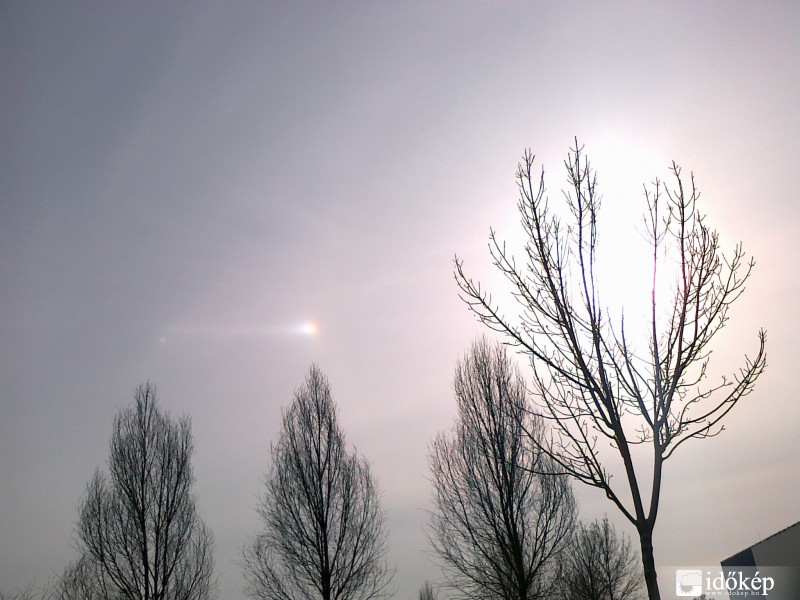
(427, 592)
(138, 530)
(500, 522)
(589, 380)
(600, 565)
(81, 581)
(324, 533)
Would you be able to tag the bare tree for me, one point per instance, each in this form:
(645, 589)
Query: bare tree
(600, 565)
(82, 581)
(324, 533)
(500, 522)
(589, 378)
(427, 592)
(138, 530)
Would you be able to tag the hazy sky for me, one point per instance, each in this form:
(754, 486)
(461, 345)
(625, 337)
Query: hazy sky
(184, 185)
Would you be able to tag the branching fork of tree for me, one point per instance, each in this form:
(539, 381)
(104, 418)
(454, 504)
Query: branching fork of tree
(589, 379)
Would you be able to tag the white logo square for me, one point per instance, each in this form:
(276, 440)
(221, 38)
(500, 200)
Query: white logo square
(688, 582)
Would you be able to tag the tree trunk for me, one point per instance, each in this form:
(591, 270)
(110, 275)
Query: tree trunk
(326, 584)
(648, 560)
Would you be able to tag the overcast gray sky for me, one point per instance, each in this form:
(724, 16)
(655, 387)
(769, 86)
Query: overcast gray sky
(184, 185)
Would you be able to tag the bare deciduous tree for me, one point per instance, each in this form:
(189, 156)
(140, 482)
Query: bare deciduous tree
(324, 531)
(500, 522)
(589, 378)
(600, 565)
(427, 592)
(82, 581)
(138, 530)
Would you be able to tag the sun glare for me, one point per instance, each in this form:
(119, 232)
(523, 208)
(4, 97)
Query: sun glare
(309, 328)
(625, 267)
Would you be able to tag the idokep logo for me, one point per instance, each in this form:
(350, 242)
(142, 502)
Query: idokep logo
(689, 582)
(746, 582)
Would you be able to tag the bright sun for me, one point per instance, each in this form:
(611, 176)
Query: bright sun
(625, 268)
(309, 328)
